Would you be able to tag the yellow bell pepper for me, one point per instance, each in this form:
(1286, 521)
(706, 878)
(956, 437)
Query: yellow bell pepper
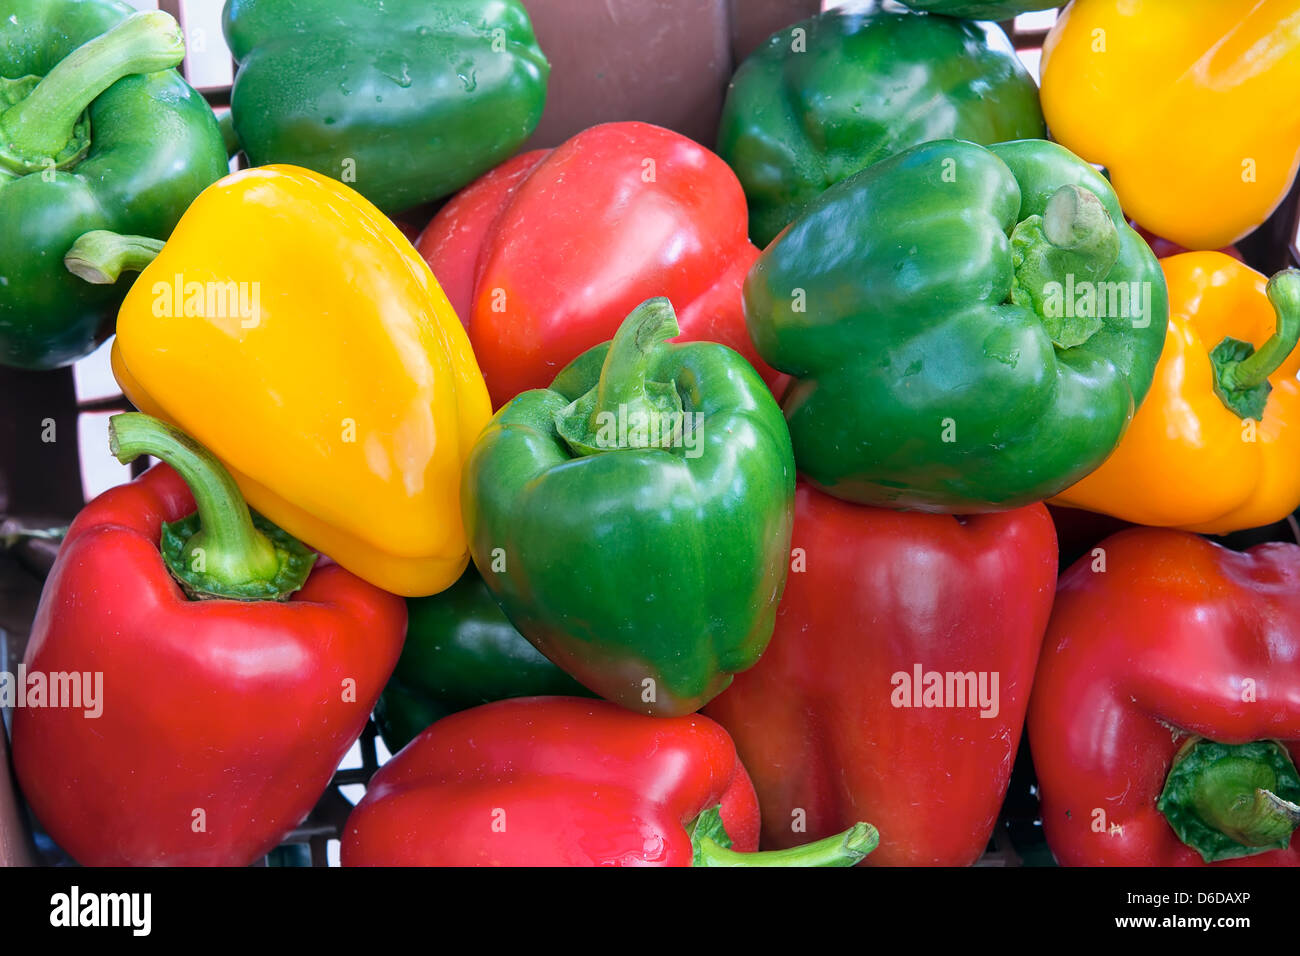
(1191, 105)
(1215, 446)
(293, 330)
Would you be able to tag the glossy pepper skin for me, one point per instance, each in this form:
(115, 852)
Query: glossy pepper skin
(820, 721)
(624, 785)
(1201, 455)
(831, 95)
(461, 651)
(284, 391)
(545, 256)
(221, 720)
(404, 99)
(648, 571)
(1176, 638)
(556, 781)
(151, 145)
(941, 365)
(1208, 142)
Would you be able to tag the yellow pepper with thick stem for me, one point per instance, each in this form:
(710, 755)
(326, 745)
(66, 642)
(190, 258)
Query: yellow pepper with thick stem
(291, 329)
(1215, 446)
(1191, 105)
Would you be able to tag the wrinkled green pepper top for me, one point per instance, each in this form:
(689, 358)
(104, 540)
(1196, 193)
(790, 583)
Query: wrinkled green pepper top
(633, 520)
(971, 329)
(404, 100)
(831, 95)
(110, 138)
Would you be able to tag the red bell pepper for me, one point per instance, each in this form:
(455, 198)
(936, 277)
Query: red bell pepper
(220, 720)
(561, 781)
(544, 256)
(1170, 672)
(897, 678)
(1164, 248)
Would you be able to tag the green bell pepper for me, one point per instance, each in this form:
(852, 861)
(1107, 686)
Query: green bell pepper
(461, 651)
(982, 9)
(96, 132)
(633, 520)
(971, 329)
(404, 100)
(831, 95)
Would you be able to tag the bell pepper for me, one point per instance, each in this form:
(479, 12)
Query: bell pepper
(979, 336)
(556, 781)
(1163, 248)
(897, 679)
(1165, 717)
(461, 651)
(297, 297)
(633, 520)
(1214, 447)
(215, 723)
(545, 256)
(1207, 142)
(96, 132)
(833, 94)
(405, 100)
(981, 9)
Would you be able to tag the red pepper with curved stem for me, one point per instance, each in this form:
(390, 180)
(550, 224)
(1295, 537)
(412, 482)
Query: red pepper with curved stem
(544, 256)
(560, 781)
(220, 718)
(1165, 718)
(896, 681)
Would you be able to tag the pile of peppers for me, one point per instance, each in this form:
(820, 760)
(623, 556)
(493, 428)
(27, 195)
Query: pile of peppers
(663, 505)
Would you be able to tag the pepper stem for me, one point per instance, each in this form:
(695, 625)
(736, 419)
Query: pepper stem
(1228, 801)
(1058, 258)
(625, 409)
(100, 256)
(217, 552)
(43, 124)
(1241, 371)
(712, 847)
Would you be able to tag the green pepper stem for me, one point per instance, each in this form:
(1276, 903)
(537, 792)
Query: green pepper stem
(1232, 800)
(234, 553)
(1075, 221)
(1284, 811)
(624, 393)
(843, 849)
(41, 125)
(1073, 243)
(1283, 292)
(100, 256)
(623, 376)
